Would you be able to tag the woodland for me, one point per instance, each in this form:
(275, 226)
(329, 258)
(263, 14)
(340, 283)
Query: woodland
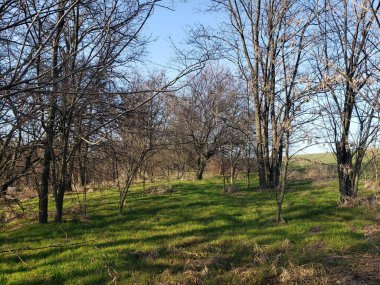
(203, 174)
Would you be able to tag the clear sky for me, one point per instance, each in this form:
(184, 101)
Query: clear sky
(170, 25)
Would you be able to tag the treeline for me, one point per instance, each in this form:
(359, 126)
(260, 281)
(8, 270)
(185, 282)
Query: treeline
(74, 109)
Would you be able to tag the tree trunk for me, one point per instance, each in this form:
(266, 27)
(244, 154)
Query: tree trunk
(62, 186)
(376, 171)
(59, 202)
(44, 189)
(70, 179)
(48, 155)
(284, 176)
(223, 172)
(83, 165)
(43, 193)
(232, 172)
(64, 179)
(260, 161)
(201, 168)
(259, 148)
(275, 169)
(345, 171)
(248, 179)
(144, 182)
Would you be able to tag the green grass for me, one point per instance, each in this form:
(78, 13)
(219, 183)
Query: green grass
(326, 158)
(195, 235)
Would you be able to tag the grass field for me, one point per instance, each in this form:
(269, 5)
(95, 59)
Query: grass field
(326, 158)
(199, 235)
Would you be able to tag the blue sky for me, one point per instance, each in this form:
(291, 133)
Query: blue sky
(166, 24)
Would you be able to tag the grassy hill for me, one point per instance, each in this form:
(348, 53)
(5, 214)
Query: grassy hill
(322, 158)
(198, 235)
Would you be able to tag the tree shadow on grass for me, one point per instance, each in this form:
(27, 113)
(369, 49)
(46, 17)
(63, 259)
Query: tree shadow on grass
(197, 217)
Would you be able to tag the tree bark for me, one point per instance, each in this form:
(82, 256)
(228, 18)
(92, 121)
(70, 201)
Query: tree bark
(59, 203)
(345, 171)
(201, 168)
(44, 189)
(284, 174)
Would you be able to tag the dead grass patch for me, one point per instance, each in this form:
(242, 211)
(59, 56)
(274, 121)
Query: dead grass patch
(153, 254)
(231, 189)
(160, 189)
(315, 246)
(362, 269)
(372, 233)
(303, 274)
(370, 201)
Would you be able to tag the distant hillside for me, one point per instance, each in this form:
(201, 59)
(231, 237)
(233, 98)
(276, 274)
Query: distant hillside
(315, 158)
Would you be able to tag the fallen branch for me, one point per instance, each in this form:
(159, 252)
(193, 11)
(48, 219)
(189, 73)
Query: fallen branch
(45, 247)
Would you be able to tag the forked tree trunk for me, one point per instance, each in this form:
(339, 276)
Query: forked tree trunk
(269, 169)
(201, 168)
(48, 154)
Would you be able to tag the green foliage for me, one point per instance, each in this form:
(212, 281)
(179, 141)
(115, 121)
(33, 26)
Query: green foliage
(197, 234)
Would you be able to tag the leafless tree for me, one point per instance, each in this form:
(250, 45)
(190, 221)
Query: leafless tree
(138, 136)
(67, 55)
(266, 41)
(346, 61)
(202, 112)
(20, 136)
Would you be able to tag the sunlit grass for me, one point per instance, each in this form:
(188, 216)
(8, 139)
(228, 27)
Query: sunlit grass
(161, 238)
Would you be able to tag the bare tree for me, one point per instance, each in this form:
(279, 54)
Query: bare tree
(345, 62)
(19, 140)
(69, 50)
(265, 40)
(201, 113)
(138, 136)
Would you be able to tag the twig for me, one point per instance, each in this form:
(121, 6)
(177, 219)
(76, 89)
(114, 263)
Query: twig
(19, 257)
